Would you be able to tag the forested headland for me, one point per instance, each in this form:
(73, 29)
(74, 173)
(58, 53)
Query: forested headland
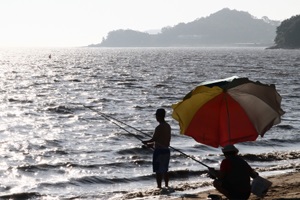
(288, 34)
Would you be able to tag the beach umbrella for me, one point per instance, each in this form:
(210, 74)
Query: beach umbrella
(228, 111)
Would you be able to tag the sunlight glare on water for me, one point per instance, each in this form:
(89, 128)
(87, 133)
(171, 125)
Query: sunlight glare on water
(51, 145)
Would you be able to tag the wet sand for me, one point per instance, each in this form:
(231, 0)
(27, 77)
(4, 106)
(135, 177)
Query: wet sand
(284, 187)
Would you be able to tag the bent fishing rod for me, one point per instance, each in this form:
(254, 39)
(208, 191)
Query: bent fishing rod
(114, 120)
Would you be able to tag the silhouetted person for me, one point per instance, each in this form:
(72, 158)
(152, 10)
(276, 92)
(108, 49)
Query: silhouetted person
(233, 178)
(161, 155)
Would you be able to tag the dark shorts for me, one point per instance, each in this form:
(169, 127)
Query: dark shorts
(161, 158)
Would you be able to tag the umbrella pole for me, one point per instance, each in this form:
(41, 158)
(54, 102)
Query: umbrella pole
(114, 120)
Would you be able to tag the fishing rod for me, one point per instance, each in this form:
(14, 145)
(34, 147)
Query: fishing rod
(110, 118)
(121, 127)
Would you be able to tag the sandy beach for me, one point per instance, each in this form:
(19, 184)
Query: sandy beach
(284, 187)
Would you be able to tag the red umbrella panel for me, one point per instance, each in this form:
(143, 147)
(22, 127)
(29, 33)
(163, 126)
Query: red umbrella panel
(229, 111)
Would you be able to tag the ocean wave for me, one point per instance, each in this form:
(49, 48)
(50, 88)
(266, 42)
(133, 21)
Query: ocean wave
(74, 80)
(14, 100)
(142, 107)
(283, 142)
(135, 150)
(23, 195)
(285, 127)
(288, 166)
(272, 156)
(128, 84)
(160, 86)
(179, 174)
(41, 167)
(60, 109)
(96, 180)
(90, 180)
(274, 142)
(60, 166)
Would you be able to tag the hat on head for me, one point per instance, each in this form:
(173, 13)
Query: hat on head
(229, 148)
(160, 112)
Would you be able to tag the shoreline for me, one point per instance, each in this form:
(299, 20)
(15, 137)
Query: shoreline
(285, 187)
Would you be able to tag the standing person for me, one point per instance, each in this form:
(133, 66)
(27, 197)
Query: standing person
(233, 178)
(161, 155)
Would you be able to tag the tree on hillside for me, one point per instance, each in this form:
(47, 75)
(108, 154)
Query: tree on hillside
(288, 33)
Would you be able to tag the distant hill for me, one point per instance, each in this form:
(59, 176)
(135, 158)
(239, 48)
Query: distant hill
(223, 28)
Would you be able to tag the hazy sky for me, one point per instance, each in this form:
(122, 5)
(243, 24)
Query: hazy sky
(68, 23)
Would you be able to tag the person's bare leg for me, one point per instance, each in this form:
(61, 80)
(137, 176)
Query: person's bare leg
(166, 178)
(218, 185)
(158, 179)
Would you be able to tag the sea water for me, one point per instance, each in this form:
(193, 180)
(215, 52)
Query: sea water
(55, 147)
